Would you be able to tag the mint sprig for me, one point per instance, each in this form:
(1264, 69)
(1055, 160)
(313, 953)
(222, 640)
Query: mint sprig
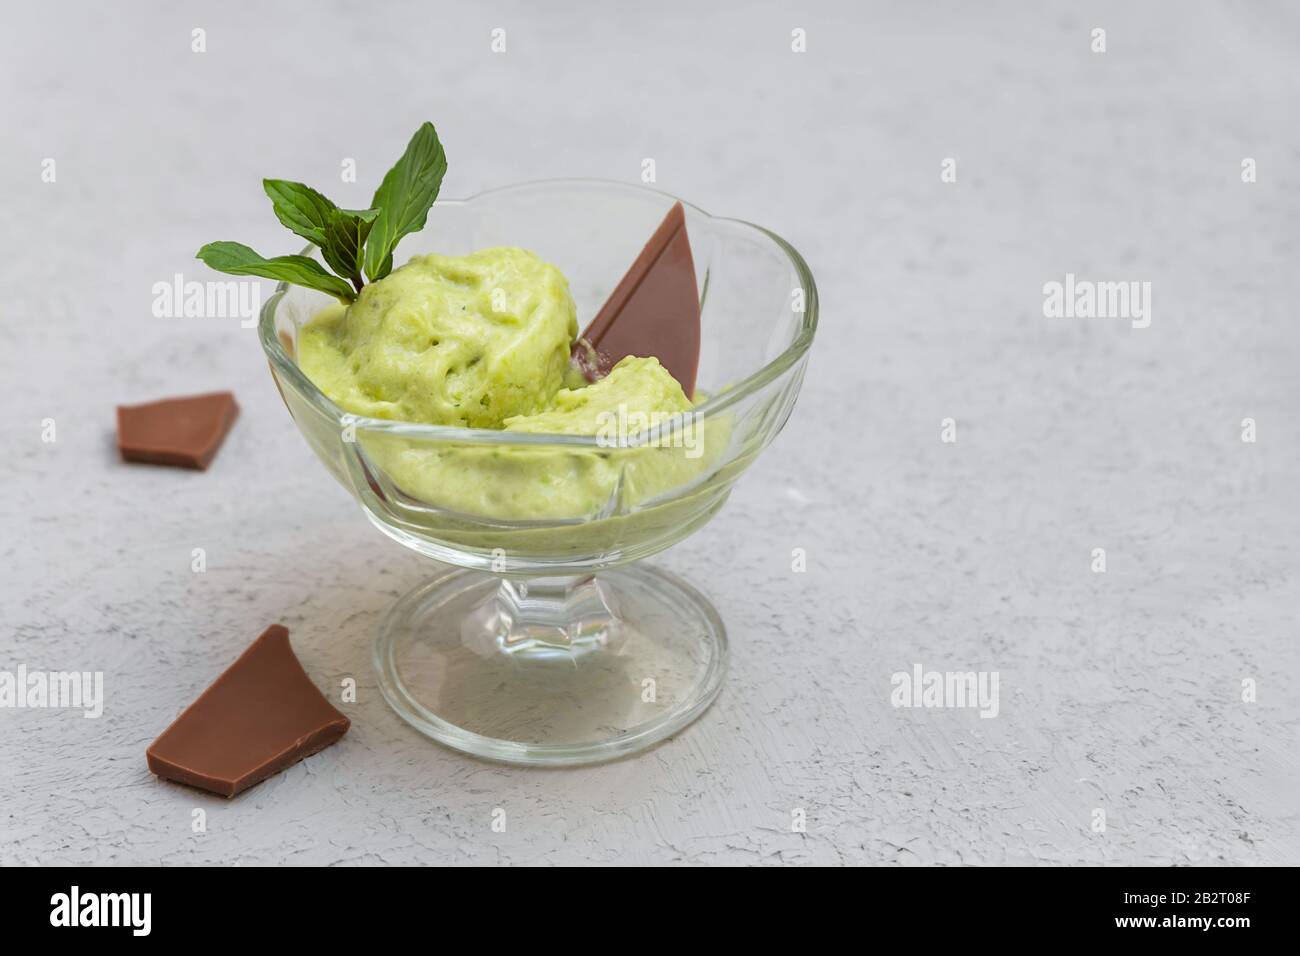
(353, 242)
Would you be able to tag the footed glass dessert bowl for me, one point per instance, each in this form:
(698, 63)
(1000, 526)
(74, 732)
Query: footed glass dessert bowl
(546, 644)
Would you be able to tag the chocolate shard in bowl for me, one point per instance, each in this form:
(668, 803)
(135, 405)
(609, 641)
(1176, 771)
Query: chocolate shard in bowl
(261, 715)
(653, 311)
(185, 432)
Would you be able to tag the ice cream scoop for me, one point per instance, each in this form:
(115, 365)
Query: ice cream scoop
(447, 340)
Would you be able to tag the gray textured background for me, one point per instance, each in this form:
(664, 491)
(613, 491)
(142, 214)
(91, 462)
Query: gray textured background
(1120, 691)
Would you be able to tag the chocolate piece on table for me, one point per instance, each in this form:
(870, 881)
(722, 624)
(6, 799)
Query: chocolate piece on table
(262, 715)
(653, 311)
(185, 432)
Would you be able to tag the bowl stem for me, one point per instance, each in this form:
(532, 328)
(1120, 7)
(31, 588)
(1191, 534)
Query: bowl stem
(545, 616)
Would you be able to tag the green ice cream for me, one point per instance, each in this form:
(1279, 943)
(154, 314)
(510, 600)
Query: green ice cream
(483, 341)
(467, 341)
(520, 482)
(634, 385)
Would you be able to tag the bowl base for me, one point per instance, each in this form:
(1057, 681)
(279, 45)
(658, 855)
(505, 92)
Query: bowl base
(551, 672)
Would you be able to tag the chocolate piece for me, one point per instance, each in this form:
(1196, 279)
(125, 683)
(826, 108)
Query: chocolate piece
(262, 715)
(185, 432)
(653, 311)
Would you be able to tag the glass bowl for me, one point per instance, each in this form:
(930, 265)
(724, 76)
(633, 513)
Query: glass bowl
(547, 645)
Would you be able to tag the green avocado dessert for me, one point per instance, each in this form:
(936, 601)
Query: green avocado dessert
(467, 341)
(634, 387)
(489, 341)
(521, 481)
(429, 344)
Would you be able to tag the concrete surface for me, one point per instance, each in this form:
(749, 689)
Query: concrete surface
(1119, 691)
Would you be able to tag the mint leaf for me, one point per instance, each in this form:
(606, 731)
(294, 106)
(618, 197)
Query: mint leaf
(404, 197)
(239, 260)
(353, 242)
(345, 240)
(301, 208)
(340, 234)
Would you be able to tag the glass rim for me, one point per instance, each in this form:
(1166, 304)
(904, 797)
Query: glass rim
(798, 347)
